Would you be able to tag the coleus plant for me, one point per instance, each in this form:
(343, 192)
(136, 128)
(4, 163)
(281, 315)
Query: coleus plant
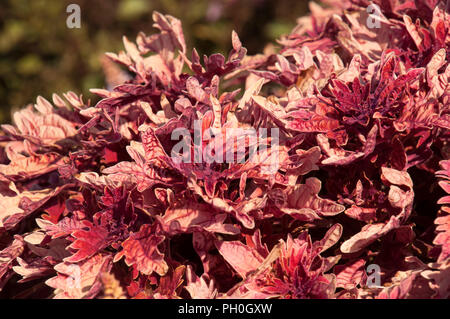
(95, 202)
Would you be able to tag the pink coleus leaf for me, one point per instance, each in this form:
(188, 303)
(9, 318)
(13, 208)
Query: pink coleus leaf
(25, 167)
(361, 213)
(194, 217)
(33, 270)
(398, 291)
(8, 256)
(80, 280)
(393, 176)
(47, 126)
(200, 287)
(331, 237)
(303, 202)
(64, 227)
(368, 235)
(18, 205)
(242, 258)
(439, 279)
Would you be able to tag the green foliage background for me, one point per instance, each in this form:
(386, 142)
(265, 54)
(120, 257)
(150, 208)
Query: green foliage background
(39, 55)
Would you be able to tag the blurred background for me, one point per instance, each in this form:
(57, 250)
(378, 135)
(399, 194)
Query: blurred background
(39, 55)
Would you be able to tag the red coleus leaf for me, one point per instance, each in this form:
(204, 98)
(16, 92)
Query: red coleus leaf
(170, 283)
(350, 274)
(54, 212)
(141, 250)
(64, 227)
(314, 124)
(88, 242)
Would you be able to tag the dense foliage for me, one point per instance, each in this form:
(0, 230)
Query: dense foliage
(39, 55)
(94, 201)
